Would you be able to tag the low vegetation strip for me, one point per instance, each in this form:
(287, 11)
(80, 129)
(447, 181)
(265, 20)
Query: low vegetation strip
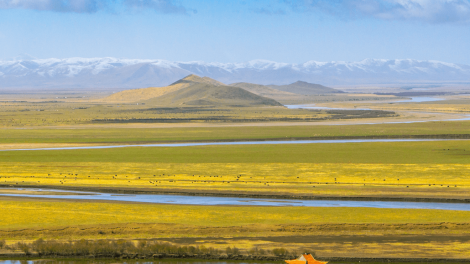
(318, 116)
(151, 249)
(143, 249)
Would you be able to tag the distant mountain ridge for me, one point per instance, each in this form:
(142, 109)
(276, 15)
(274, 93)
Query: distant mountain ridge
(134, 73)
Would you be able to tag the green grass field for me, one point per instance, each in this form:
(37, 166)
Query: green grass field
(430, 152)
(132, 135)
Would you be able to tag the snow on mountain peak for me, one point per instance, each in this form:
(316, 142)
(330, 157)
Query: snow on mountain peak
(116, 72)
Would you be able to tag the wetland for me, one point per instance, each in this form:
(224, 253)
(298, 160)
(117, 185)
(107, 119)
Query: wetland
(367, 178)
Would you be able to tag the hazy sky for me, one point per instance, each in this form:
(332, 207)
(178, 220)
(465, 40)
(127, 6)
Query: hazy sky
(237, 31)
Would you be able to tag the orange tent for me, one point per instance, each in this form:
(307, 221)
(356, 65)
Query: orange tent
(305, 259)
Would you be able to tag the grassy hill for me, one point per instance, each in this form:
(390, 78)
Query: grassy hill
(137, 95)
(203, 94)
(305, 88)
(193, 91)
(261, 90)
(192, 79)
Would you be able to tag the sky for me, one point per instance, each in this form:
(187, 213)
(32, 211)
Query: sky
(237, 30)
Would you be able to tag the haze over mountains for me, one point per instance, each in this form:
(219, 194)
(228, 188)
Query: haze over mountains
(89, 73)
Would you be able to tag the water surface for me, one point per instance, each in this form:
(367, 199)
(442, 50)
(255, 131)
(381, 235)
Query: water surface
(412, 99)
(419, 99)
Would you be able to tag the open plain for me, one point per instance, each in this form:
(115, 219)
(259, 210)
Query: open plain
(435, 170)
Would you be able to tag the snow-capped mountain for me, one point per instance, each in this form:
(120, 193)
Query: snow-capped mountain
(135, 73)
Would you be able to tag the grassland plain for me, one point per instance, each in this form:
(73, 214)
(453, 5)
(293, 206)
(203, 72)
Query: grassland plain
(406, 169)
(51, 113)
(72, 110)
(80, 111)
(150, 135)
(355, 232)
(433, 169)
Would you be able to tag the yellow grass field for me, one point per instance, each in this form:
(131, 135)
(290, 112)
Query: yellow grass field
(38, 214)
(359, 232)
(321, 179)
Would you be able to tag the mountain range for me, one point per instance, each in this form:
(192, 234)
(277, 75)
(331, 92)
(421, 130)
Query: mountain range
(88, 73)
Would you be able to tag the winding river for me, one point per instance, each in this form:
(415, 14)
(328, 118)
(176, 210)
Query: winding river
(264, 142)
(413, 99)
(235, 201)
